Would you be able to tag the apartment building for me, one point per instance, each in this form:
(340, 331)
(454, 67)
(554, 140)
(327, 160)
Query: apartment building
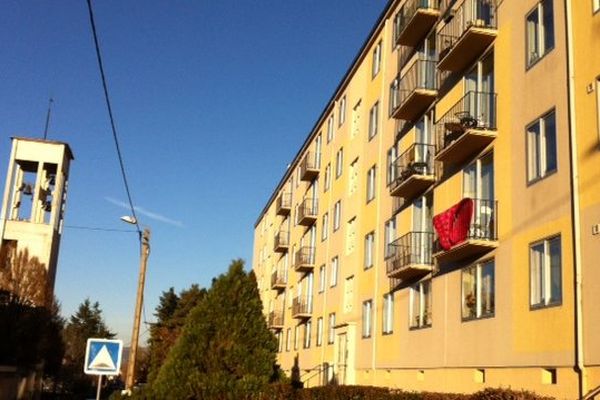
(439, 228)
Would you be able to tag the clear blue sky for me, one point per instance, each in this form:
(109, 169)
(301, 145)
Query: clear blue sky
(212, 100)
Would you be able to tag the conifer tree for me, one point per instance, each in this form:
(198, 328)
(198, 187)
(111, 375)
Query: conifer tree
(225, 350)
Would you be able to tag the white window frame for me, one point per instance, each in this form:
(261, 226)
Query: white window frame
(595, 6)
(288, 339)
(342, 111)
(392, 154)
(369, 247)
(322, 278)
(339, 163)
(327, 180)
(537, 148)
(307, 334)
(476, 293)
(376, 67)
(325, 227)
(542, 274)
(374, 120)
(388, 313)
(390, 236)
(337, 215)
(330, 128)
(371, 182)
(319, 339)
(417, 293)
(331, 329)
(367, 318)
(535, 33)
(296, 337)
(335, 266)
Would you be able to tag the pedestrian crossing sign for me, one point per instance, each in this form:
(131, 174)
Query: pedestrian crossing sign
(103, 356)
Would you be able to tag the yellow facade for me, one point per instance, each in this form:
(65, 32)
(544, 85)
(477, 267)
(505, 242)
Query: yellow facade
(490, 111)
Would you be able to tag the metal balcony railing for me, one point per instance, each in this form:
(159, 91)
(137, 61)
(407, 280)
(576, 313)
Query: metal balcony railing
(283, 204)
(482, 226)
(469, 14)
(281, 241)
(307, 211)
(476, 110)
(309, 166)
(304, 257)
(414, 248)
(406, 18)
(275, 319)
(301, 306)
(278, 279)
(421, 76)
(417, 160)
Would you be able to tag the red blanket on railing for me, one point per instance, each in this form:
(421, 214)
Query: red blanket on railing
(452, 226)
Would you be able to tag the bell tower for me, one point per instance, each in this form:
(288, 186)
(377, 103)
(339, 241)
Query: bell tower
(34, 199)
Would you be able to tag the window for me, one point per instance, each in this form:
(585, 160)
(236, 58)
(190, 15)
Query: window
(388, 313)
(339, 163)
(369, 245)
(596, 5)
(296, 336)
(353, 178)
(394, 96)
(342, 111)
(366, 318)
(322, 278)
(288, 339)
(541, 147)
(355, 120)
(325, 226)
(390, 236)
(376, 59)
(327, 183)
(540, 31)
(420, 305)
(319, 331)
(337, 215)
(307, 329)
(478, 290)
(279, 342)
(545, 272)
(335, 264)
(351, 236)
(391, 169)
(330, 330)
(330, 129)
(373, 120)
(348, 294)
(371, 183)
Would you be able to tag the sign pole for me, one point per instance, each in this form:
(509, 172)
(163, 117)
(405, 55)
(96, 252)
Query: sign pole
(99, 387)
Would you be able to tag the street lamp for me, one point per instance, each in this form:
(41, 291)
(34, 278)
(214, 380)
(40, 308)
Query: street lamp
(144, 253)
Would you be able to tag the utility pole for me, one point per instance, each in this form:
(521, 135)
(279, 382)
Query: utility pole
(144, 253)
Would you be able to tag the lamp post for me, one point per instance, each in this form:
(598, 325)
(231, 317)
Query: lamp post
(135, 334)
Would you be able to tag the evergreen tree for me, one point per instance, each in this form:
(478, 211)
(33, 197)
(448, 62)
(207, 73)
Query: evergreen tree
(225, 350)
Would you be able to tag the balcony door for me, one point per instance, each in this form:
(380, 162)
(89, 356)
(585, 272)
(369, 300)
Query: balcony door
(479, 90)
(427, 70)
(478, 184)
(422, 227)
(309, 290)
(423, 139)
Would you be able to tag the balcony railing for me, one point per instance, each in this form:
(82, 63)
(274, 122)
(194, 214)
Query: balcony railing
(307, 212)
(413, 171)
(281, 242)
(309, 166)
(301, 307)
(283, 205)
(468, 229)
(304, 259)
(470, 29)
(414, 91)
(468, 127)
(278, 280)
(414, 20)
(411, 256)
(275, 319)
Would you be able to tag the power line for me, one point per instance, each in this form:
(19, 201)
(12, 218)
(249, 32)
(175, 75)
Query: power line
(112, 120)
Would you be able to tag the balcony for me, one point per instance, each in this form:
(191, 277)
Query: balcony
(283, 205)
(413, 171)
(275, 320)
(467, 128)
(468, 229)
(411, 256)
(278, 280)
(307, 212)
(415, 19)
(281, 242)
(301, 307)
(469, 30)
(309, 167)
(304, 260)
(416, 90)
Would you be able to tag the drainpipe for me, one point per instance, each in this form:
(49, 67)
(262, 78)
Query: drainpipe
(575, 209)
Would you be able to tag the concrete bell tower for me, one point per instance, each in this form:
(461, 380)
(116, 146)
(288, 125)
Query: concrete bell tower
(34, 199)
